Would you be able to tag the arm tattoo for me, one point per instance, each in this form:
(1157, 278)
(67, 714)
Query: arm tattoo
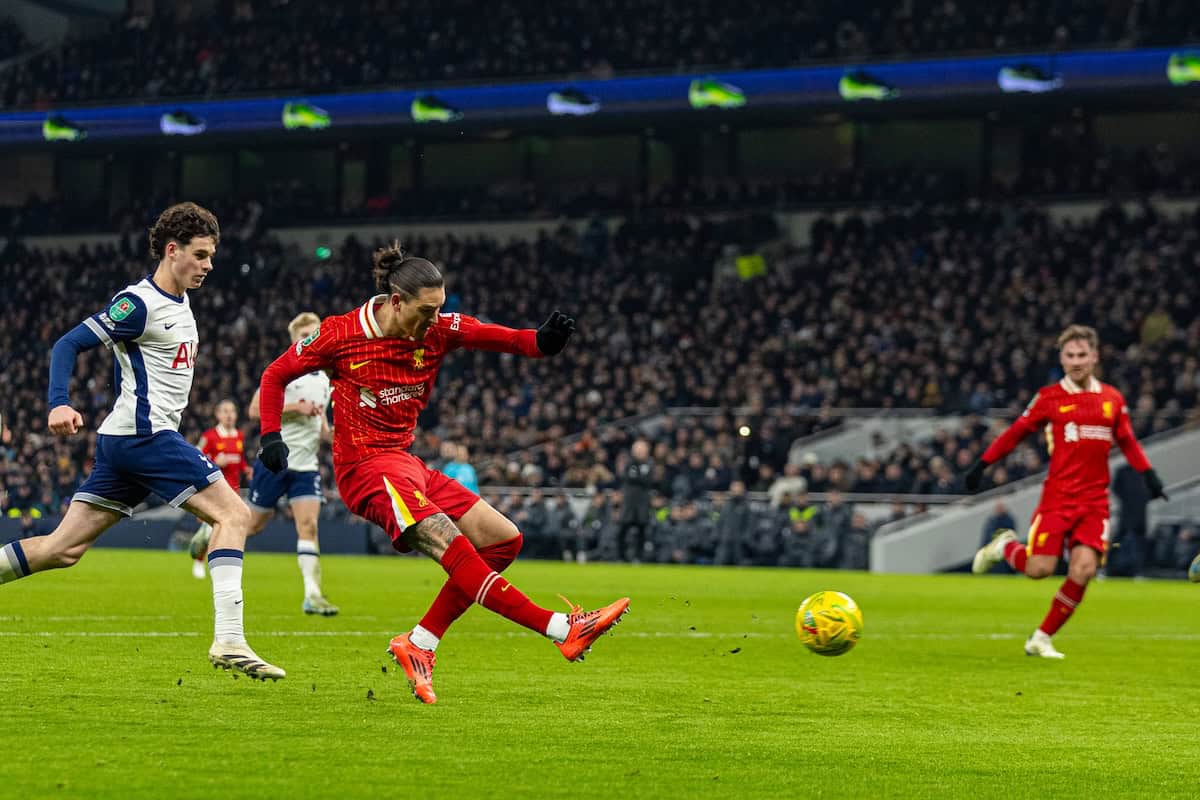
(431, 536)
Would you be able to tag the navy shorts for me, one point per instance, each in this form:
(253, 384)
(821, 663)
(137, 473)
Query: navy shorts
(128, 468)
(267, 487)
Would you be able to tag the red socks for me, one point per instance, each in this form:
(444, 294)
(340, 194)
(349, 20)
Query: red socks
(476, 580)
(1063, 606)
(1015, 555)
(451, 603)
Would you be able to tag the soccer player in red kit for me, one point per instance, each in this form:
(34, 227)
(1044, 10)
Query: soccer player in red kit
(1081, 417)
(224, 445)
(383, 359)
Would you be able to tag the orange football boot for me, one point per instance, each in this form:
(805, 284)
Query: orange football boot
(588, 626)
(418, 665)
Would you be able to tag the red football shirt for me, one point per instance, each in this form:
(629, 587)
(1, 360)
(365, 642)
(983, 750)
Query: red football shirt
(1080, 427)
(213, 444)
(380, 384)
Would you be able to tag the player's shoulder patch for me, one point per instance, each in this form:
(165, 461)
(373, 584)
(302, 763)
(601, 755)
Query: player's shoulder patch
(123, 306)
(451, 319)
(307, 340)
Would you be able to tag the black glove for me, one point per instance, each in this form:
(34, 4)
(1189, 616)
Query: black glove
(973, 477)
(1154, 485)
(553, 334)
(272, 452)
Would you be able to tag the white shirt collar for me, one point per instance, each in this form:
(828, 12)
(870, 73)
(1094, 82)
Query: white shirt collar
(366, 317)
(1070, 388)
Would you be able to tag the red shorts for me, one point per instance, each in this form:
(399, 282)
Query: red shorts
(1052, 528)
(396, 490)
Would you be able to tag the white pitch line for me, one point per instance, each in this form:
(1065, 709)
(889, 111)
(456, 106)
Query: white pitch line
(116, 617)
(731, 636)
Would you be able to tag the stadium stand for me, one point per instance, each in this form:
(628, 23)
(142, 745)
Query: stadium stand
(920, 308)
(248, 46)
(12, 39)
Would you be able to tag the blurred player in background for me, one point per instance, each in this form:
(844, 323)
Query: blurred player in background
(151, 331)
(458, 465)
(225, 445)
(1081, 417)
(383, 358)
(304, 427)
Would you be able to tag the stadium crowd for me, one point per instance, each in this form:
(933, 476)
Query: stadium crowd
(245, 46)
(925, 307)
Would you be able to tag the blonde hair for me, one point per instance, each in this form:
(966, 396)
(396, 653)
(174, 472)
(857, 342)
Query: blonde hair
(303, 319)
(1084, 332)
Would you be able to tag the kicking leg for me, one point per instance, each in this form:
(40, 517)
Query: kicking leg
(220, 506)
(498, 542)
(81, 526)
(439, 538)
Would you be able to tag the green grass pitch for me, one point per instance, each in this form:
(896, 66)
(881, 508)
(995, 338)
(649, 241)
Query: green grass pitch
(704, 690)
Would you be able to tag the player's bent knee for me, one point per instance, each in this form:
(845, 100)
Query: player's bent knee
(506, 531)
(1082, 574)
(306, 527)
(1037, 571)
(236, 518)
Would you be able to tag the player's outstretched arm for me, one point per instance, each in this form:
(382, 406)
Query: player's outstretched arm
(1005, 443)
(549, 339)
(1136, 456)
(65, 420)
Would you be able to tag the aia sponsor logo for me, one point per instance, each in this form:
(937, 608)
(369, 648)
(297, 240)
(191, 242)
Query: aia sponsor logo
(185, 356)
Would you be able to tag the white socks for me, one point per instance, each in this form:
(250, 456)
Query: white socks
(225, 567)
(423, 639)
(559, 628)
(308, 555)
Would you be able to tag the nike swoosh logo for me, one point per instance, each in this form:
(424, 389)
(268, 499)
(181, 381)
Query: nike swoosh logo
(172, 325)
(237, 602)
(360, 364)
(1065, 409)
(505, 588)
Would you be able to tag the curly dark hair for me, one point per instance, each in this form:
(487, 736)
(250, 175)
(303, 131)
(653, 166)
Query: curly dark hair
(396, 271)
(181, 223)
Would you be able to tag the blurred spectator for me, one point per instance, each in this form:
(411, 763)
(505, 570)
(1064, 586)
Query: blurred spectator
(733, 525)
(1129, 548)
(1000, 520)
(790, 483)
(562, 523)
(637, 479)
(458, 465)
(532, 519)
(854, 543)
(594, 527)
(1186, 547)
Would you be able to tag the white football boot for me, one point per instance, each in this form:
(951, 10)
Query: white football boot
(240, 658)
(1040, 645)
(992, 553)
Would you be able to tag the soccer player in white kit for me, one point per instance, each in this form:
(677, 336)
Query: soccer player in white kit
(304, 428)
(151, 331)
